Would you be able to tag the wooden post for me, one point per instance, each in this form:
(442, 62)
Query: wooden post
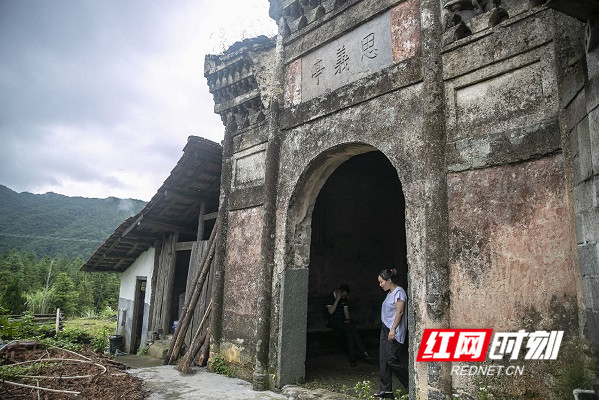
(169, 282)
(57, 327)
(164, 285)
(201, 222)
(158, 247)
(197, 252)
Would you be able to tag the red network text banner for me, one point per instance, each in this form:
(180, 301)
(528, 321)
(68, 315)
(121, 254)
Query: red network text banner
(454, 345)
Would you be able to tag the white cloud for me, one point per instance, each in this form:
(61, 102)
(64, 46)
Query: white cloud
(97, 99)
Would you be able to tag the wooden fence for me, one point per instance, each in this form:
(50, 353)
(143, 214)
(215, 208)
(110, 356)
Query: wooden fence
(44, 319)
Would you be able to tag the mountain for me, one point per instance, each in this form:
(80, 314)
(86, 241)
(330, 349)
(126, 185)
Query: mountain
(55, 225)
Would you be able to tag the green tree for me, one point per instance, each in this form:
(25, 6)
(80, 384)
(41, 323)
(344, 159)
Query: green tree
(106, 289)
(85, 292)
(12, 297)
(65, 296)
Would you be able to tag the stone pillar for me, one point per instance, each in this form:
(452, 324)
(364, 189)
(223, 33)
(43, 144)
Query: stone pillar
(434, 178)
(260, 377)
(220, 255)
(580, 123)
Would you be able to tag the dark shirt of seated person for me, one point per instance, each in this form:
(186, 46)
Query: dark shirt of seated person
(338, 319)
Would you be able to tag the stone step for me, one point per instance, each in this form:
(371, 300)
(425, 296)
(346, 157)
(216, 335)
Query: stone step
(159, 348)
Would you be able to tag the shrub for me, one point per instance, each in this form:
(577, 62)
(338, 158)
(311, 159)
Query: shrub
(100, 341)
(108, 312)
(220, 367)
(23, 328)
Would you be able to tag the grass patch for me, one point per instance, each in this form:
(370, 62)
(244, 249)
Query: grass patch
(91, 326)
(94, 331)
(339, 381)
(75, 333)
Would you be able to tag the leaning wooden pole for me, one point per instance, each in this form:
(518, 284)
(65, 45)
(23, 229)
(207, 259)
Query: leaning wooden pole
(187, 311)
(195, 344)
(188, 300)
(204, 353)
(187, 315)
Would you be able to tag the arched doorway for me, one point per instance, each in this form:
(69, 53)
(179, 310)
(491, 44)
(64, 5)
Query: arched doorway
(346, 222)
(357, 229)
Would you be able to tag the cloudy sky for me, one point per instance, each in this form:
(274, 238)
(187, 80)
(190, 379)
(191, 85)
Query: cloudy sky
(98, 97)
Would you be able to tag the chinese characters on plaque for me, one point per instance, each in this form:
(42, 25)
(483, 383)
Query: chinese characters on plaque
(355, 55)
(369, 51)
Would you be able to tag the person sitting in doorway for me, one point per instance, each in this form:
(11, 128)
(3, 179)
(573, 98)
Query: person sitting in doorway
(338, 319)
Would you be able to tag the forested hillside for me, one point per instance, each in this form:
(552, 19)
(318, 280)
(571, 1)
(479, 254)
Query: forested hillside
(40, 285)
(54, 225)
(44, 240)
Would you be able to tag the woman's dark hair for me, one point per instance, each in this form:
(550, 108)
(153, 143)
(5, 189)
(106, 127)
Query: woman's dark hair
(390, 273)
(344, 288)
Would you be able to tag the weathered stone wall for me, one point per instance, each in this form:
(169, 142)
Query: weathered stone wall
(580, 122)
(312, 151)
(513, 261)
(467, 105)
(241, 81)
(242, 270)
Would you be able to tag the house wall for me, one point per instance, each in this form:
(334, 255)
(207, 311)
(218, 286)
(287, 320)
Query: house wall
(142, 267)
(473, 126)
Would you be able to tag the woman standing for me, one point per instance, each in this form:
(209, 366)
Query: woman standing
(393, 332)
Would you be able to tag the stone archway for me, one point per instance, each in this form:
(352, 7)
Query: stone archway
(295, 278)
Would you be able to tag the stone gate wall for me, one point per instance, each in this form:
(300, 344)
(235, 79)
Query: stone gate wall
(468, 106)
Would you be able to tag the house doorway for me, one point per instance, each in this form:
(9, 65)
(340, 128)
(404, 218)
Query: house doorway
(357, 229)
(138, 313)
(179, 286)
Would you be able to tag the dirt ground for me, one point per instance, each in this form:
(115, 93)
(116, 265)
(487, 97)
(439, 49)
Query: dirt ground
(94, 376)
(333, 372)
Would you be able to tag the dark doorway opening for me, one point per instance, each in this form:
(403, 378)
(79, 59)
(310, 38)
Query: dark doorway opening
(138, 313)
(179, 286)
(358, 228)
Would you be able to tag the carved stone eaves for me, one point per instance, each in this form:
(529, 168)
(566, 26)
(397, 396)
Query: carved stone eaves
(460, 13)
(585, 11)
(298, 14)
(239, 83)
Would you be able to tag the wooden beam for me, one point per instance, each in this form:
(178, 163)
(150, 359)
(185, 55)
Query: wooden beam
(210, 216)
(133, 249)
(96, 264)
(147, 238)
(113, 245)
(161, 226)
(139, 240)
(182, 246)
(195, 195)
(133, 225)
(117, 265)
(119, 256)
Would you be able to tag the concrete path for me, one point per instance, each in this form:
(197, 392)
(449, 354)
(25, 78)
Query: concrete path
(165, 382)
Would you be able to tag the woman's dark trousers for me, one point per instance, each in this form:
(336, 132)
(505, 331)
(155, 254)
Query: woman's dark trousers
(389, 358)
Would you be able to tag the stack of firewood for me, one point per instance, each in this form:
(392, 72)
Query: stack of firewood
(200, 342)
